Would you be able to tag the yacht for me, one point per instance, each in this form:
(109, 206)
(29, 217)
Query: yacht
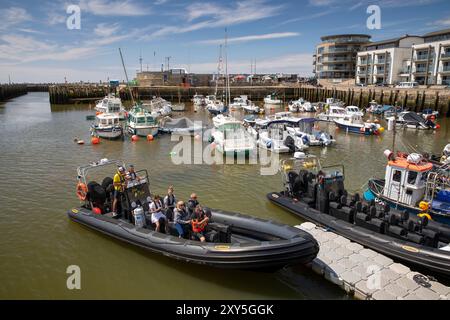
(142, 123)
(111, 104)
(303, 133)
(199, 100)
(239, 102)
(107, 126)
(354, 111)
(231, 137)
(159, 107)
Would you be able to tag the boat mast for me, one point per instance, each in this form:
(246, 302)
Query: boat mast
(126, 77)
(395, 129)
(228, 91)
(218, 70)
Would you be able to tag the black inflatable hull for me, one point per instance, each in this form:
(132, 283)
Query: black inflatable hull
(427, 259)
(292, 246)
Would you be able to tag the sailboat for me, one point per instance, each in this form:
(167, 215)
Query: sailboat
(213, 105)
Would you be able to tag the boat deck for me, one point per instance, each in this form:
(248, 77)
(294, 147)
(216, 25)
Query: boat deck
(368, 275)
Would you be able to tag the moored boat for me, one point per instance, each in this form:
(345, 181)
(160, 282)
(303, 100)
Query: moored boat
(107, 126)
(142, 123)
(355, 124)
(317, 194)
(231, 138)
(233, 240)
(111, 104)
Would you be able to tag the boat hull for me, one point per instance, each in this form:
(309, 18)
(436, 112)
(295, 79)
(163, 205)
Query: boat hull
(295, 246)
(424, 258)
(108, 133)
(355, 129)
(143, 132)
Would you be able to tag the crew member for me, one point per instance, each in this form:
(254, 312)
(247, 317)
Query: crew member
(119, 187)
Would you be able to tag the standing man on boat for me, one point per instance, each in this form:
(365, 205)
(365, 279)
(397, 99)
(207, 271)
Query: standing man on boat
(119, 184)
(170, 202)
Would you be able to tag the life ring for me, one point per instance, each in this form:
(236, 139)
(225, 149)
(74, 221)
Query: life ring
(81, 191)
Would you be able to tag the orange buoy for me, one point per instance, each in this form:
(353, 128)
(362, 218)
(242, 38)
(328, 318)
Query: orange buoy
(95, 140)
(150, 137)
(134, 138)
(81, 191)
(97, 211)
(438, 126)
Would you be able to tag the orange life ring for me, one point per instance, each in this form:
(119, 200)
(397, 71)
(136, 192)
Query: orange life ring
(81, 191)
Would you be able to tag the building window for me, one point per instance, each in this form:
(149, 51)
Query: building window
(412, 176)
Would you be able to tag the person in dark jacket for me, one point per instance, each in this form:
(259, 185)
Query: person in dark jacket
(199, 221)
(192, 203)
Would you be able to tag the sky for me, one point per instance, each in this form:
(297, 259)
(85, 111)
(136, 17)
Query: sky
(36, 45)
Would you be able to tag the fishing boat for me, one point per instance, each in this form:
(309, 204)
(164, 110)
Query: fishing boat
(430, 114)
(178, 107)
(411, 120)
(318, 194)
(355, 124)
(217, 107)
(415, 185)
(107, 126)
(333, 113)
(273, 100)
(111, 104)
(233, 240)
(231, 138)
(141, 122)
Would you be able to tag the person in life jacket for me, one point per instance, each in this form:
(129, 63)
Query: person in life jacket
(199, 222)
(131, 174)
(119, 187)
(170, 202)
(158, 218)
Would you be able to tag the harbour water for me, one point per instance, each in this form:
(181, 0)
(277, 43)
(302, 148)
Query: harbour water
(38, 161)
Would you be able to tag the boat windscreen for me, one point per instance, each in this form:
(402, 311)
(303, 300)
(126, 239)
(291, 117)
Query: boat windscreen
(412, 116)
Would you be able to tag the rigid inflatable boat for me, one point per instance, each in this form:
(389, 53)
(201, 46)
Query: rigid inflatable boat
(317, 194)
(233, 240)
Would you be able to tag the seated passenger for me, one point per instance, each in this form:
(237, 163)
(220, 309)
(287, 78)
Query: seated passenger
(158, 216)
(192, 203)
(170, 202)
(119, 187)
(181, 219)
(199, 221)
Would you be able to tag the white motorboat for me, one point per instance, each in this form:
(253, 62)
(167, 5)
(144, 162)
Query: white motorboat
(354, 123)
(294, 106)
(239, 102)
(411, 120)
(332, 113)
(354, 111)
(107, 126)
(216, 107)
(199, 100)
(142, 123)
(231, 138)
(304, 133)
(253, 109)
(111, 104)
(178, 107)
(273, 100)
(159, 107)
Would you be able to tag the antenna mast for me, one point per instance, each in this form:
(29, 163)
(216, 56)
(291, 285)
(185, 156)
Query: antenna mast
(126, 77)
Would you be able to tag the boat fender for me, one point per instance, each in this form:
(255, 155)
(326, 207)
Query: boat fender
(81, 191)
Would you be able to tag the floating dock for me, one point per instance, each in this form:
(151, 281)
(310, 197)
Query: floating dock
(368, 275)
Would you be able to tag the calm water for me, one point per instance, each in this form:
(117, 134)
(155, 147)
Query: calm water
(38, 162)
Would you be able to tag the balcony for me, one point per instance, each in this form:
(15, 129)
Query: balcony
(422, 71)
(406, 71)
(445, 69)
(337, 60)
(445, 56)
(423, 57)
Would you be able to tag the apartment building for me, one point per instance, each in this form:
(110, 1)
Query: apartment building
(385, 62)
(431, 59)
(335, 57)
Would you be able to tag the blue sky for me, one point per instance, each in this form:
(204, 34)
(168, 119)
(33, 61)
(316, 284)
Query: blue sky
(36, 46)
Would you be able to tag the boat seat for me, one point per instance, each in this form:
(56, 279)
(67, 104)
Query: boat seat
(367, 222)
(396, 232)
(414, 237)
(431, 237)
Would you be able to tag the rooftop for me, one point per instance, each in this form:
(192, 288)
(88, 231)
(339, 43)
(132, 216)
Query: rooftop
(324, 38)
(437, 33)
(388, 41)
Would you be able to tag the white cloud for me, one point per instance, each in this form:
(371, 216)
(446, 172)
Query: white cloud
(253, 38)
(208, 15)
(114, 8)
(106, 29)
(13, 16)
